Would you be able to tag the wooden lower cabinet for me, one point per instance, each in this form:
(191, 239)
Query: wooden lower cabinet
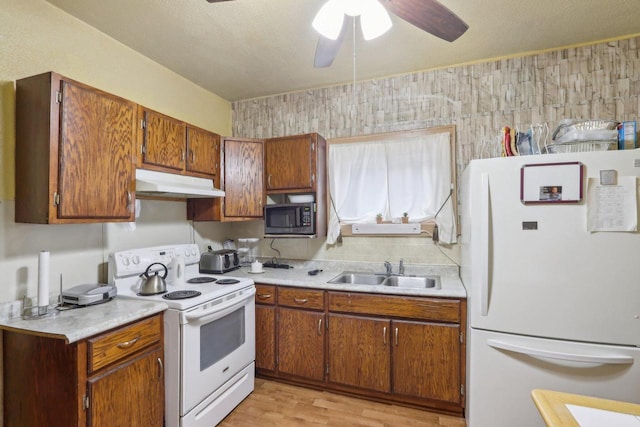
(426, 360)
(301, 343)
(400, 349)
(118, 396)
(359, 352)
(265, 327)
(114, 379)
(266, 337)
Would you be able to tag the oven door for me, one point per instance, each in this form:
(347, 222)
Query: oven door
(218, 341)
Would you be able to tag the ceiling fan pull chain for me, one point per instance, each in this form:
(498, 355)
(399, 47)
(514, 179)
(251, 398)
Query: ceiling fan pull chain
(353, 88)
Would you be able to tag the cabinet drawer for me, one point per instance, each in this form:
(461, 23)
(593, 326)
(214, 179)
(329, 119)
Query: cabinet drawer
(312, 299)
(265, 294)
(396, 306)
(118, 344)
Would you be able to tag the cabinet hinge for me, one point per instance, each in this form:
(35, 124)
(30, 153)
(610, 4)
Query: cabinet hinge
(56, 199)
(143, 149)
(59, 97)
(85, 401)
(461, 389)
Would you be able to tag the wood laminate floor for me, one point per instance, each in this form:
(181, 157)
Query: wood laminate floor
(282, 405)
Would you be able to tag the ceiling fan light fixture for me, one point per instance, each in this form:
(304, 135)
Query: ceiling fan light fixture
(374, 20)
(329, 19)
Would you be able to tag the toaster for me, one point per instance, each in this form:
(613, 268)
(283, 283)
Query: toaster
(219, 262)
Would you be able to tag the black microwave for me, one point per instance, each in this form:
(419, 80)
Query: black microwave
(290, 218)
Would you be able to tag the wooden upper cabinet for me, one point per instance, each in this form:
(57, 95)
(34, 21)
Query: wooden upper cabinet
(163, 141)
(243, 178)
(203, 151)
(170, 145)
(292, 163)
(74, 152)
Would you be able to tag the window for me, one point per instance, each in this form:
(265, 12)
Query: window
(390, 174)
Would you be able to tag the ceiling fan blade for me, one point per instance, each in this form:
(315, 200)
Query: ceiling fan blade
(430, 16)
(327, 49)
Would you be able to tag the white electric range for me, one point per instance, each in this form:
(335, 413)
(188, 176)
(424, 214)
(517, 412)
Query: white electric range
(209, 333)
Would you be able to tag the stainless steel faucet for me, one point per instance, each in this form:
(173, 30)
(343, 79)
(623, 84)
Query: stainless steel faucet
(387, 267)
(401, 267)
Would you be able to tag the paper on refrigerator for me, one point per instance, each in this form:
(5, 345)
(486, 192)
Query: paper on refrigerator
(612, 207)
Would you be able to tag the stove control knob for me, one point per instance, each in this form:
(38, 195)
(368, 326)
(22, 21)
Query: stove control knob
(125, 261)
(194, 252)
(136, 259)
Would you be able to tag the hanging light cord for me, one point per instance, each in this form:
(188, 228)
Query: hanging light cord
(353, 88)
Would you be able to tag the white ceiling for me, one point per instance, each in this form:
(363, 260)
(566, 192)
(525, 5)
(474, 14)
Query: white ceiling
(245, 49)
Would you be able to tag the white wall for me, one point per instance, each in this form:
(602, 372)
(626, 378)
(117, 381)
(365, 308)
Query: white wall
(36, 37)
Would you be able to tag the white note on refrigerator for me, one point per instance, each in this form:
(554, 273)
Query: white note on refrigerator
(612, 207)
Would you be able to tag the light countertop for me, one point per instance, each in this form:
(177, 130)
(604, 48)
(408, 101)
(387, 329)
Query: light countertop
(552, 406)
(77, 324)
(80, 323)
(451, 285)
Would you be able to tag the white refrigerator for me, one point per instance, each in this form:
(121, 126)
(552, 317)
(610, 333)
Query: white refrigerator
(551, 304)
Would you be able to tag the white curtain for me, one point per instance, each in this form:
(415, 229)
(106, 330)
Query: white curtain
(391, 177)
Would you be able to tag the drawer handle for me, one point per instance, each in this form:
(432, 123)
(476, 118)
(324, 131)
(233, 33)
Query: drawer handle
(384, 335)
(319, 326)
(127, 344)
(396, 336)
(264, 296)
(301, 300)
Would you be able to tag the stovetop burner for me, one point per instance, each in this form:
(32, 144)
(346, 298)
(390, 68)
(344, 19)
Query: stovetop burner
(227, 281)
(181, 294)
(201, 280)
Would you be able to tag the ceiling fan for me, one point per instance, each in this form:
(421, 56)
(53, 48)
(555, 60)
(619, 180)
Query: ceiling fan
(428, 15)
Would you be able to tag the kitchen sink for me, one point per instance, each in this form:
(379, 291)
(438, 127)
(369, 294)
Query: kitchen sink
(355, 278)
(413, 281)
(352, 278)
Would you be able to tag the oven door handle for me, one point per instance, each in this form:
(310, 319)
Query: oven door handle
(221, 310)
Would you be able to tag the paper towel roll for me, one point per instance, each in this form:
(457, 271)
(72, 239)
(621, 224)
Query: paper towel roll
(43, 279)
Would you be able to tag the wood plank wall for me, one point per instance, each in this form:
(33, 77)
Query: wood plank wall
(595, 81)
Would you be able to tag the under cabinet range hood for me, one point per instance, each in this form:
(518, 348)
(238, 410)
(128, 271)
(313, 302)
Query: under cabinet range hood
(162, 184)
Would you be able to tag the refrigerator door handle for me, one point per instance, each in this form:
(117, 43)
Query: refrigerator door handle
(611, 359)
(484, 244)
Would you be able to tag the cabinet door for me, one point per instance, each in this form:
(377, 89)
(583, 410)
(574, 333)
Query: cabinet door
(131, 394)
(164, 141)
(243, 178)
(301, 343)
(359, 352)
(202, 151)
(290, 163)
(426, 360)
(96, 164)
(265, 337)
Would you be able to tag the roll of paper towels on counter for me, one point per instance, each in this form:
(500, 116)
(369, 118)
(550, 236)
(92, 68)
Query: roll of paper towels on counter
(43, 279)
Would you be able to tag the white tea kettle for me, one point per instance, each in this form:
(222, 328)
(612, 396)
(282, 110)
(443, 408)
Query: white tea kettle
(154, 284)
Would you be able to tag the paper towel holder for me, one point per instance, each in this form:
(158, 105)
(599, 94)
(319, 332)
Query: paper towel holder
(31, 312)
